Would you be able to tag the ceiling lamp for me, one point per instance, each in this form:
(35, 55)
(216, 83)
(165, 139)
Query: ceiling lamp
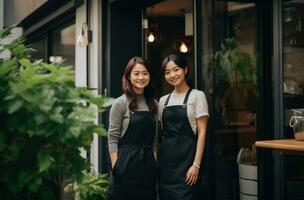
(183, 48)
(151, 37)
(182, 45)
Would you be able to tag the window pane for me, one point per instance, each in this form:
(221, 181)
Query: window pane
(63, 43)
(39, 47)
(293, 69)
(234, 92)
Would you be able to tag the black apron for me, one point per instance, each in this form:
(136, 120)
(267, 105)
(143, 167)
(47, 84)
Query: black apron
(176, 154)
(134, 173)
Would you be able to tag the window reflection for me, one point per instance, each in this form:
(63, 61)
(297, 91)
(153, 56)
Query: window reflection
(63, 43)
(293, 87)
(55, 45)
(233, 68)
(39, 47)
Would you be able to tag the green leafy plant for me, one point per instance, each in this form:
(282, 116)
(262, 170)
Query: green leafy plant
(234, 78)
(231, 65)
(44, 122)
(91, 187)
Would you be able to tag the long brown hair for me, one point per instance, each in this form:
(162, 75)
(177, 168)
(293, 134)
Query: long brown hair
(149, 91)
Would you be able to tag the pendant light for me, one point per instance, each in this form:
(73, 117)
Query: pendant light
(182, 45)
(183, 48)
(151, 37)
(153, 29)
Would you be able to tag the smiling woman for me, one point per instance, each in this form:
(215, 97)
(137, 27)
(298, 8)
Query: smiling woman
(140, 78)
(184, 116)
(174, 74)
(132, 136)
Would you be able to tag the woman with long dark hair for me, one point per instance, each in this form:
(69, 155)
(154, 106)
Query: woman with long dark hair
(184, 116)
(132, 136)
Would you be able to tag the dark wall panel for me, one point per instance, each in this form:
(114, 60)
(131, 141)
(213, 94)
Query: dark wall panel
(124, 40)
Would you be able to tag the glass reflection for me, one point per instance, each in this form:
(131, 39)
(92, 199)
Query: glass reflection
(293, 85)
(63, 43)
(234, 91)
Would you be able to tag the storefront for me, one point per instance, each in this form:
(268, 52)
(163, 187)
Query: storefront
(246, 55)
(250, 101)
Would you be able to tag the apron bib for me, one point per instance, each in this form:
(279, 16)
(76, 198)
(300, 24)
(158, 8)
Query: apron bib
(134, 173)
(176, 154)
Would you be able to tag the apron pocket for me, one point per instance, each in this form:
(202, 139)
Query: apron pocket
(119, 165)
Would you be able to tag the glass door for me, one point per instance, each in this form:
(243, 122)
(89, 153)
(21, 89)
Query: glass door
(233, 87)
(293, 88)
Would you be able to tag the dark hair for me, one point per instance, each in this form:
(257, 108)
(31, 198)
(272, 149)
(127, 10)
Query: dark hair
(149, 91)
(177, 59)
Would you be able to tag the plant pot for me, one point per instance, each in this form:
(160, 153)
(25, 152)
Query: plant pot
(248, 171)
(248, 181)
(248, 197)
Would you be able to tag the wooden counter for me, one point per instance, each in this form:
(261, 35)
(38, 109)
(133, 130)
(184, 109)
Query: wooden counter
(283, 144)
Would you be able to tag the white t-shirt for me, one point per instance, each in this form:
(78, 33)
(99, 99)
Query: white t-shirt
(196, 105)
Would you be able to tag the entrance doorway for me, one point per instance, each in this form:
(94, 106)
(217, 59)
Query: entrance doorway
(169, 29)
(234, 99)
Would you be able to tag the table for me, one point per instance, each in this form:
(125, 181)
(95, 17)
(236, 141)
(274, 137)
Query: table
(288, 147)
(282, 144)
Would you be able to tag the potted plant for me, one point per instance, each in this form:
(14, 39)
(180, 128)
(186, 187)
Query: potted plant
(45, 121)
(231, 64)
(91, 187)
(246, 160)
(234, 77)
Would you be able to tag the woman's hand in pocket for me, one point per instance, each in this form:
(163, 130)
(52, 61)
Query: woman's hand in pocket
(113, 159)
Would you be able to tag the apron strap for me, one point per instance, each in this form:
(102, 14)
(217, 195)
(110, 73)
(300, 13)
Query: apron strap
(187, 96)
(167, 100)
(185, 100)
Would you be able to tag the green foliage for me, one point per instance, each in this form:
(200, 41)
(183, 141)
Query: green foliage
(91, 187)
(44, 121)
(232, 65)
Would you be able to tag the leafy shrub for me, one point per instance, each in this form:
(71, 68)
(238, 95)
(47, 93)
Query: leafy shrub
(91, 187)
(44, 121)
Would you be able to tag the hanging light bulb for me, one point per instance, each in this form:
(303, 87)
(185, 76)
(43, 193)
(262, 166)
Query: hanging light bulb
(82, 40)
(151, 37)
(183, 48)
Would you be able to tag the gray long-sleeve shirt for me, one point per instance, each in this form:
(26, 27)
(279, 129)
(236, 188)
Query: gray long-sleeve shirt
(119, 121)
